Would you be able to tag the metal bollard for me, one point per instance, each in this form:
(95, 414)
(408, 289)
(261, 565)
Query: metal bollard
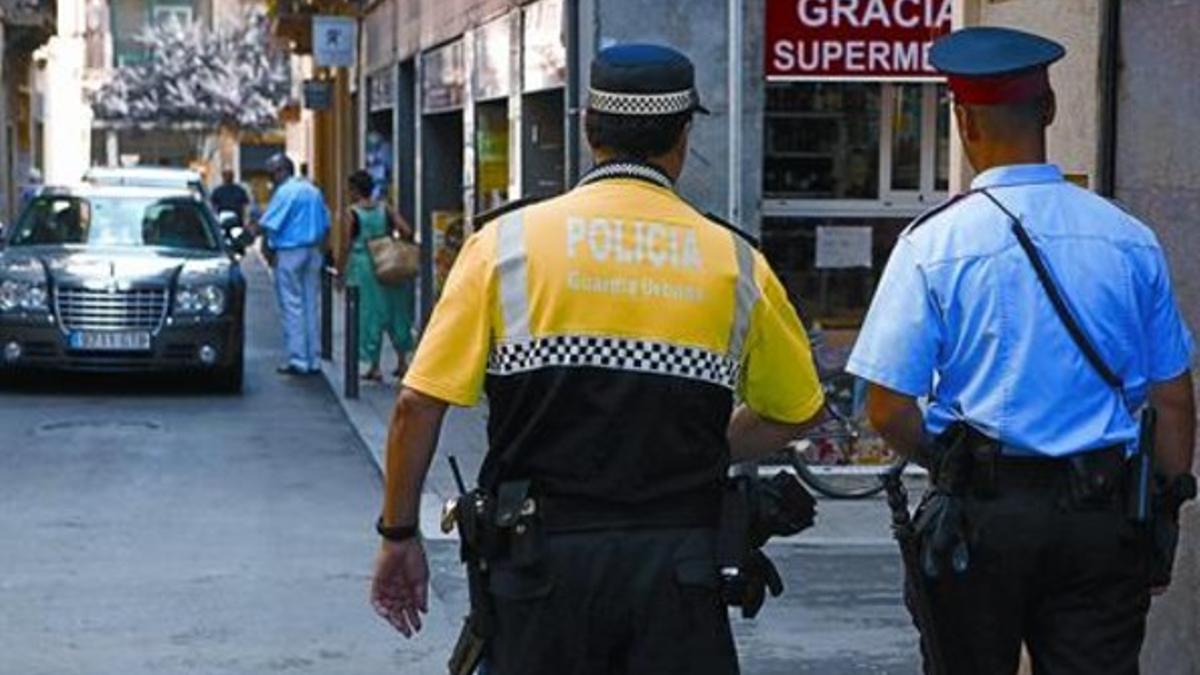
(327, 313)
(351, 347)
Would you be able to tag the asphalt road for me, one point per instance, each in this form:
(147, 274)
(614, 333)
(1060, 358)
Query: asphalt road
(145, 528)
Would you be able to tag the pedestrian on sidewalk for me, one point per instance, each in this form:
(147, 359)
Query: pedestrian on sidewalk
(231, 197)
(1038, 321)
(611, 328)
(382, 309)
(296, 223)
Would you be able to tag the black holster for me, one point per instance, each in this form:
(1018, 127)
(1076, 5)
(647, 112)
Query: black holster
(959, 459)
(474, 515)
(1163, 533)
(506, 526)
(752, 511)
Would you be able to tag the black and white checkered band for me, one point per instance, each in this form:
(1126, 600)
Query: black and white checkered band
(628, 170)
(621, 103)
(613, 353)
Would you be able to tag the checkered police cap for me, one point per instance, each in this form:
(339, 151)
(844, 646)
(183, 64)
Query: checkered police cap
(643, 80)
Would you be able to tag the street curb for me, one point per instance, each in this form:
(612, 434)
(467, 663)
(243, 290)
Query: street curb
(372, 435)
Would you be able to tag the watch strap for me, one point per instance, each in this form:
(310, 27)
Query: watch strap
(396, 533)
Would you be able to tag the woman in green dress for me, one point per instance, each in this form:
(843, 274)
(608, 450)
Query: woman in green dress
(382, 309)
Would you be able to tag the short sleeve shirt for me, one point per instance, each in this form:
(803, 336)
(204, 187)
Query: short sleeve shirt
(961, 318)
(612, 329)
(296, 215)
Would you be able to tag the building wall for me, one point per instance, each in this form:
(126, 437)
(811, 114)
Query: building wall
(7, 178)
(1158, 177)
(1075, 24)
(754, 98)
(698, 28)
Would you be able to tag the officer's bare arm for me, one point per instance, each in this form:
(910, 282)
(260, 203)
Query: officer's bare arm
(412, 439)
(752, 436)
(896, 417)
(1176, 432)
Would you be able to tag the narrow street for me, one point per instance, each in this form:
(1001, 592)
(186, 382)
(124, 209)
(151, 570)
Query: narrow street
(151, 529)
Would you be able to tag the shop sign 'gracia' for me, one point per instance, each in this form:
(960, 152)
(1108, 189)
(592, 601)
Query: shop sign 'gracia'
(823, 39)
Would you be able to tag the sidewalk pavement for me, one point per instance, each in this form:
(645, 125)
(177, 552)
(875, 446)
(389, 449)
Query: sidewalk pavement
(464, 435)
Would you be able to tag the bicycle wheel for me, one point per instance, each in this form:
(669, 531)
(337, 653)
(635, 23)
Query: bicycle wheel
(837, 481)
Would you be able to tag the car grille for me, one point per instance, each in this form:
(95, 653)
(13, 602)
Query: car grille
(85, 309)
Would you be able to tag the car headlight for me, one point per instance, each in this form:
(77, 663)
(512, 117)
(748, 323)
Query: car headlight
(23, 296)
(193, 300)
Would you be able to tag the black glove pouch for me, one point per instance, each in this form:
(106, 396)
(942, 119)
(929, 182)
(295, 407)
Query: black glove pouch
(940, 526)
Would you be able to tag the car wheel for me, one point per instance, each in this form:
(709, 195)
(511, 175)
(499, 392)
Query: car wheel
(229, 380)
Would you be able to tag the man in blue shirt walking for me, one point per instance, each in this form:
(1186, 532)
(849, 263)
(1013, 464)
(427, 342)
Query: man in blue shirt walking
(1036, 319)
(296, 223)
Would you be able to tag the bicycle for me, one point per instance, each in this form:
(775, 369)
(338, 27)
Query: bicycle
(841, 458)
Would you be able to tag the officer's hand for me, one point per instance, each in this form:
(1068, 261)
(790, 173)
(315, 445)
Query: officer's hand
(400, 590)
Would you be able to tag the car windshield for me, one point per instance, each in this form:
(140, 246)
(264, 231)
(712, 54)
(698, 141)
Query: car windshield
(114, 221)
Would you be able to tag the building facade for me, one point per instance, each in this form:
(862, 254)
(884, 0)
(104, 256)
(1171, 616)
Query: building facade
(466, 105)
(25, 26)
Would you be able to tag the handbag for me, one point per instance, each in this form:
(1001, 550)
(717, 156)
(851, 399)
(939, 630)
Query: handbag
(393, 259)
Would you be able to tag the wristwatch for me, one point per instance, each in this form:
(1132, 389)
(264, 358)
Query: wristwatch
(396, 533)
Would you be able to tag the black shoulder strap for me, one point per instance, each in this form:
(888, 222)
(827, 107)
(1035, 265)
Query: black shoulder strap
(747, 237)
(920, 220)
(488, 216)
(1056, 300)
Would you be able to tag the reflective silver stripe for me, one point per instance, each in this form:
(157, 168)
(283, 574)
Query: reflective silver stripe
(510, 264)
(746, 296)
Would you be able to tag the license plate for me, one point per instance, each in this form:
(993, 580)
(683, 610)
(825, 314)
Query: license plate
(110, 341)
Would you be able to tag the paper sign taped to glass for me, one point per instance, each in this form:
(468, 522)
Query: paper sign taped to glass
(840, 247)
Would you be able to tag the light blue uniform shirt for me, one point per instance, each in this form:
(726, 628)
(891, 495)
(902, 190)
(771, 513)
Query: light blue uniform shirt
(960, 317)
(296, 216)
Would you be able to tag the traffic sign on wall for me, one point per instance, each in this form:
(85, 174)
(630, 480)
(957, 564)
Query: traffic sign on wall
(335, 41)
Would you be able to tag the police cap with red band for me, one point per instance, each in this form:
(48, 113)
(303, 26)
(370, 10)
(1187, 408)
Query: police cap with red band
(995, 66)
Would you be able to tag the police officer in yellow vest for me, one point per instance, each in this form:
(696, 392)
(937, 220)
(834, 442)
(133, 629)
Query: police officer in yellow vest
(614, 329)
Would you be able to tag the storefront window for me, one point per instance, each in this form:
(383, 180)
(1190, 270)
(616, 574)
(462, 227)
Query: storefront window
(491, 154)
(941, 180)
(907, 106)
(831, 290)
(822, 141)
(863, 142)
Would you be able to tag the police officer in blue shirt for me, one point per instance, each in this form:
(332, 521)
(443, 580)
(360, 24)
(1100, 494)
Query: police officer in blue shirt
(988, 310)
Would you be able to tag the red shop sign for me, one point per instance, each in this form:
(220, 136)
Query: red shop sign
(854, 39)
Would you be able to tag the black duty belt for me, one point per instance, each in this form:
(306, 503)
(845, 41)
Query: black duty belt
(577, 514)
(994, 471)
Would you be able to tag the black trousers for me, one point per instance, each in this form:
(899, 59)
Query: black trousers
(1067, 579)
(612, 603)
